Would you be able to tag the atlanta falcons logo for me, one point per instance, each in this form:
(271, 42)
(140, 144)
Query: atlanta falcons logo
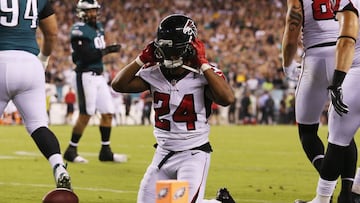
(190, 28)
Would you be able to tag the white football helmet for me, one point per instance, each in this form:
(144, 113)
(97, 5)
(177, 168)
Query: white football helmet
(83, 5)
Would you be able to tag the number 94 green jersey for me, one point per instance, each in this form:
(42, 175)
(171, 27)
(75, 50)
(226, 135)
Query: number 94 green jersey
(19, 20)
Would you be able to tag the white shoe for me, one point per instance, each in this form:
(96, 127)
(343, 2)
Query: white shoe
(62, 177)
(120, 158)
(80, 159)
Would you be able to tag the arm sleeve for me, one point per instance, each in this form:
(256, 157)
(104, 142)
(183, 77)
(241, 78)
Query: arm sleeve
(347, 6)
(47, 11)
(350, 7)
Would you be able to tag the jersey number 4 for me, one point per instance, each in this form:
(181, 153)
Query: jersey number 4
(324, 9)
(185, 111)
(10, 13)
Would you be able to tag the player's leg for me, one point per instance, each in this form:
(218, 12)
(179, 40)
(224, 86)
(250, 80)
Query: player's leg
(106, 153)
(351, 81)
(105, 106)
(86, 92)
(348, 173)
(332, 166)
(147, 190)
(194, 169)
(341, 132)
(71, 153)
(30, 100)
(352, 119)
(4, 97)
(356, 187)
(311, 97)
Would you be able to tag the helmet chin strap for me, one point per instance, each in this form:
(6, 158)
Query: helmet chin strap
(173, 63)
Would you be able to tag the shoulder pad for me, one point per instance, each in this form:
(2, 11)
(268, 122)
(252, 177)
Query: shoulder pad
(77, 32)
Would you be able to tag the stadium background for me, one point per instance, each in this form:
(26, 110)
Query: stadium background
(242, 37)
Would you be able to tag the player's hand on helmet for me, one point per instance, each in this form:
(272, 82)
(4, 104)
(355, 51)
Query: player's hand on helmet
(292, 72)
(147, 55)
(200, 58)
(337, 100)
(200, 51)
(111, 49)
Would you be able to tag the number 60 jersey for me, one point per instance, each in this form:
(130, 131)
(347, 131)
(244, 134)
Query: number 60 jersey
(318, 18)
(181, 109)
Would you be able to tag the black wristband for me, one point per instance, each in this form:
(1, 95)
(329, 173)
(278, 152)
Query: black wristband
(338, 78)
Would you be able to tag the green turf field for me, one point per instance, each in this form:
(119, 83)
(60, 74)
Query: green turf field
(258, 164)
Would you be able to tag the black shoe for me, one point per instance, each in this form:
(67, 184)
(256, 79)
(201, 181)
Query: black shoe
(107, 155)
(71, 155)
(355, 197)
(223, 195)
(344, 199)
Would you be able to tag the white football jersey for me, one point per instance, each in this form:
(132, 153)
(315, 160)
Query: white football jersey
(356, 4)
(181, 109)
(319, 23)
(343, 3)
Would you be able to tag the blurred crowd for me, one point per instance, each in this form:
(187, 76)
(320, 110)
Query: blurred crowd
(242, 37)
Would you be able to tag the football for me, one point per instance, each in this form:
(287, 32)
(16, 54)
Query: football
(60, 195)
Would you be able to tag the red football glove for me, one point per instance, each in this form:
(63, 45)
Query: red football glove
(200, 51)
(201, 60)
(147, 55)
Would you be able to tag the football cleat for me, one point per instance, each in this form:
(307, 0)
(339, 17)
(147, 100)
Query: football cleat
(344, 198)
(62, 177)
(107, 155)
(223, 195)
(71, 155)
(355, 197)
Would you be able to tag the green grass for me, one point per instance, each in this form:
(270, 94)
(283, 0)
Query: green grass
(258, 164)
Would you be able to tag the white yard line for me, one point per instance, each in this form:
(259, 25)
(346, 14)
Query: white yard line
(75, 188)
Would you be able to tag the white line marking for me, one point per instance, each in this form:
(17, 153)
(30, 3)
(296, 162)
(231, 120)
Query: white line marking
(25, 153)
(75, 188)
(36, 154)
(8, 157)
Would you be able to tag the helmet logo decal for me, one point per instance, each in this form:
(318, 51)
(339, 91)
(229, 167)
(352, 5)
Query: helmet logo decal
(190, 28)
